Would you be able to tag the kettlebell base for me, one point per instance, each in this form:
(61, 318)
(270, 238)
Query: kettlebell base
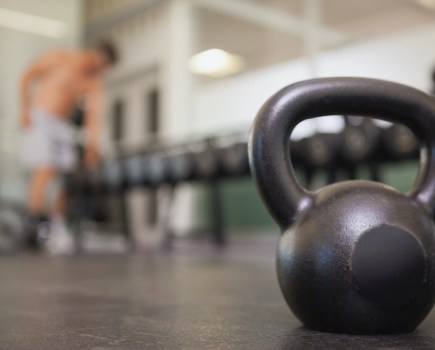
(361, 331)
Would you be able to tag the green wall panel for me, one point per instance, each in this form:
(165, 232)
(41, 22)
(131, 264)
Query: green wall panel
(244, 211)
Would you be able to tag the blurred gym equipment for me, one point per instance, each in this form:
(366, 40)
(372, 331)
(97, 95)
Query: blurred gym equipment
(212, 160)
(219, 158)
(12, 228)
(359, 142)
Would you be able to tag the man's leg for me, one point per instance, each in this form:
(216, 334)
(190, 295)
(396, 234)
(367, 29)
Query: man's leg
(47, 195)
(60, 206)
(60, 241)
(39, 180)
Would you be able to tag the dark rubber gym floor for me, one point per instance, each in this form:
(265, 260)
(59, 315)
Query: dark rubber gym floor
(193, 298)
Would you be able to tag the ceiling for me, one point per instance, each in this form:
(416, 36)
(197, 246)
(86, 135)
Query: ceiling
(267, 32)
(262, 45)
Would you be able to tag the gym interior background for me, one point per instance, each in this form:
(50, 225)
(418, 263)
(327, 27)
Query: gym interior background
(190, 70)
(154, 94)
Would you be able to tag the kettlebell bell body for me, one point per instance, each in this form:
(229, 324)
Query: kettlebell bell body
(356, 256)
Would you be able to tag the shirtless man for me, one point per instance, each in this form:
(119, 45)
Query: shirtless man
(50, 90)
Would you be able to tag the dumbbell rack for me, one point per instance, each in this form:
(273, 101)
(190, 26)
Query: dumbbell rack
(214, 159)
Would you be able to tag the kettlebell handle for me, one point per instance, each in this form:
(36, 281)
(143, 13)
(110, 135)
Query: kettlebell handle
(269, 153)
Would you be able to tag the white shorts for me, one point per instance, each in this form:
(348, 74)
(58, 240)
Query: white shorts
(49, 141)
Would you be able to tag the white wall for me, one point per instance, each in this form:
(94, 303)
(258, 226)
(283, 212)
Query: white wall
(18, 49)
(154, 50)
(405, 57)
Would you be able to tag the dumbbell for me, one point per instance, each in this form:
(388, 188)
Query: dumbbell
(96, 195)
(317, 153)
(359, 141)
(235, 159)
(134, 169)
(12, 229)
(399, 143)
(156, 168)
(207, 161)
(113, 174)
(86, 191)
(181, 166)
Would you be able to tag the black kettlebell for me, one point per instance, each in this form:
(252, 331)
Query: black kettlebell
(356, 256)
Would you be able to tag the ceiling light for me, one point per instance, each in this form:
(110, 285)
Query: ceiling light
(32, 24)
(216, 63)
(428, 4)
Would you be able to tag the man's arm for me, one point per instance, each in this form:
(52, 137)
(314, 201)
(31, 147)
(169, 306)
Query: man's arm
(93, 124)
(36, 70)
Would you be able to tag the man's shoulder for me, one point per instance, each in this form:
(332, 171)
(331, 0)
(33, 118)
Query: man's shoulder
(56, 55)
(61, 53)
